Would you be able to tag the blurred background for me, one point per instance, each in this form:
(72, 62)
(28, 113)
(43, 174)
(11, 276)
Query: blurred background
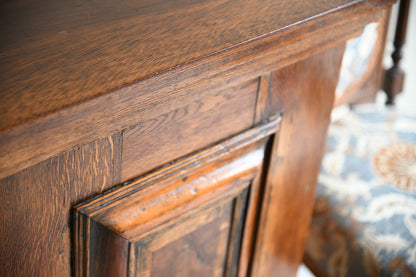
(364, 220)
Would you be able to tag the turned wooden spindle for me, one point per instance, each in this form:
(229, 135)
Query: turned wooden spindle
(394, 77)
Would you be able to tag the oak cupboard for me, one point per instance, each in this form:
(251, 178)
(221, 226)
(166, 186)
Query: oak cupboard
(193, 217)
(165, 138)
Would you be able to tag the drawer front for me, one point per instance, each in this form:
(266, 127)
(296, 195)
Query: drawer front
(193, 217)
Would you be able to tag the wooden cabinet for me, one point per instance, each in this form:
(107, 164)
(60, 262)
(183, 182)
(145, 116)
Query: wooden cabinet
(193, 217)
(165, 138)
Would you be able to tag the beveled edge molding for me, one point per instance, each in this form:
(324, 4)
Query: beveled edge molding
(106, 209)
(194, 160)
(155, 239)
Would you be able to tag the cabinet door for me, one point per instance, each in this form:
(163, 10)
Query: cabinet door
(193, 217)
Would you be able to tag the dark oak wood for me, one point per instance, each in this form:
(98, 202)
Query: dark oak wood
(46, 133)
(295, 160)
(149, 222)
(394, 77)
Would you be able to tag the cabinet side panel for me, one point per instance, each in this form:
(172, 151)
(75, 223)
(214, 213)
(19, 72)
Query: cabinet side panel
(35, 207)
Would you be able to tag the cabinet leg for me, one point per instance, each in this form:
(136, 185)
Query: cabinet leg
(304, 93)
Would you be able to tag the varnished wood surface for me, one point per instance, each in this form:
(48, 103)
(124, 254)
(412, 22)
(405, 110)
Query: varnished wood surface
(68, 120)
(35, 207)
(199, 120)
(295, 160)
(181, 255)
(54, 54)
(52, 134)
(151, 220)
(190, 163)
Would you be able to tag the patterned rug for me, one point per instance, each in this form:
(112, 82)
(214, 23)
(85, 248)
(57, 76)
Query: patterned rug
(364, 221)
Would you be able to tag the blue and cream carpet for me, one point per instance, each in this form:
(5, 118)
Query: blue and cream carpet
(364, 221)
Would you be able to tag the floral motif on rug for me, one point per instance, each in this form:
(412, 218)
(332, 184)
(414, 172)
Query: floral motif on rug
(364, 221)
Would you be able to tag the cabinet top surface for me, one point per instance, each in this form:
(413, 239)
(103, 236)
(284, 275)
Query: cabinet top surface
(57, 53)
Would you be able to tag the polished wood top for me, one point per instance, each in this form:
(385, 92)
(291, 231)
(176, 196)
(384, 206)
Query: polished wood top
(127, 57)
(54, 54)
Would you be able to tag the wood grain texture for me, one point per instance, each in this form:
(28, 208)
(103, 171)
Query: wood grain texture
(198, 251)
(179, 168)
(111, 263)
(262, 95)
(35, 207)
(205, 194)
(48, 66)
(40, 137)
(304, 92)
(81, 79)
(201, 120)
